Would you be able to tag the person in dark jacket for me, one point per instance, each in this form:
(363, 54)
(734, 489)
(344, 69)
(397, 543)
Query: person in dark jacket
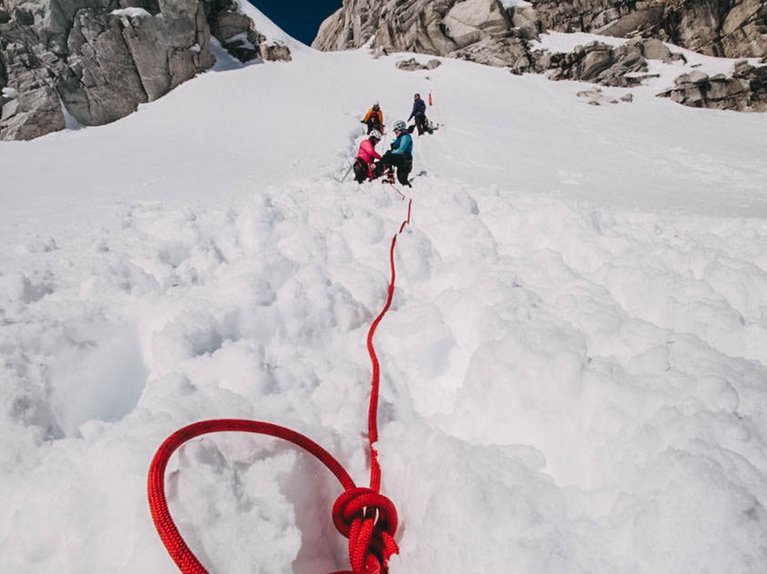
(419, 114)
(401, 153)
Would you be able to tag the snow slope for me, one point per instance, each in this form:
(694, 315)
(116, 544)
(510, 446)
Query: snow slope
(575, 366)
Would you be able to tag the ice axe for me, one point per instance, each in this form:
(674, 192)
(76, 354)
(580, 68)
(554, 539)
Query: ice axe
(348, 171)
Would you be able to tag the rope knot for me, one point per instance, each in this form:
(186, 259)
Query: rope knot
(369, 520)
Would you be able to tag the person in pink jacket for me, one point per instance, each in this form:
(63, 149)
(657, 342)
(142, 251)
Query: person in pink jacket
(366, 156)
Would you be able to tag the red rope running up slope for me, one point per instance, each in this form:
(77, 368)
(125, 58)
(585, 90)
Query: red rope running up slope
(363, 515)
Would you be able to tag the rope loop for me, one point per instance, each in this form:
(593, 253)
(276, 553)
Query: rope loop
(363, 515)
(369, 520)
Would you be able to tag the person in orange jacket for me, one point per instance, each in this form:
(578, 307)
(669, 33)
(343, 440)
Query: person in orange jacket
(374, 119)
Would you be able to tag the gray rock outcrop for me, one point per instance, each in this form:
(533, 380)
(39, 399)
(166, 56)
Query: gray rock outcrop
(481, 31)
(28, 102)
(745, 90)
(30, 110)
(498, 33)
(728, 28)
(621, 66)
(488, 32)
(99, 59)
(411, 65)
(235, 31)
(596, 97)
(275, 52)
(600, 64)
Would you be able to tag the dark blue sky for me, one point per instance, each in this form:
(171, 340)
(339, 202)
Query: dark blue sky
(299, 18)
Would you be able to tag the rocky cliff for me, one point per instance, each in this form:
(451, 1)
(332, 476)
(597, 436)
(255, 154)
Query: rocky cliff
(485, 31)
(498, 32)
(746, 89)
(729, 28)
(97, 60)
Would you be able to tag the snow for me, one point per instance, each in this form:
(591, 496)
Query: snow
(574, 367)
(562, 42)
(515, 4)
(130, 12)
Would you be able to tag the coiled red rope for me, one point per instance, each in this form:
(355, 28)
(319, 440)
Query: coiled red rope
(363, 515)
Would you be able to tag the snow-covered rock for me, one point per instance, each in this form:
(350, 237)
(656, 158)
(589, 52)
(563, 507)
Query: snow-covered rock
(745, 90)
(499, 33)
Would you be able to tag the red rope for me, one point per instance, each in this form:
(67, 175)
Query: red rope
(363, 515)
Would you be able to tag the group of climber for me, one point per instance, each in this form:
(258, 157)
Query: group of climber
(369, 164)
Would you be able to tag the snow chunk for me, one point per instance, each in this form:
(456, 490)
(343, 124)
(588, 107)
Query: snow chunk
(515, 4)
(10, 93)
(130, 12)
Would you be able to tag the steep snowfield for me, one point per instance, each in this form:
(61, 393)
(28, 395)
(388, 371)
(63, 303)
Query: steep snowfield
(575, 366)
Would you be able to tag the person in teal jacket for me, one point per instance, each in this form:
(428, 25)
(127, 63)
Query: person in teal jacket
(401, 153)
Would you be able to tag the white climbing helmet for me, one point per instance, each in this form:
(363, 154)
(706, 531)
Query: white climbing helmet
(375, 134)
(400, 126)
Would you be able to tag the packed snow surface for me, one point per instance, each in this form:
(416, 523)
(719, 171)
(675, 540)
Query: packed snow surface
(574, 367)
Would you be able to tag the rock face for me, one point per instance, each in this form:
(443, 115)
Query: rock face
(598, 63)
(728, 28)
(622, 66)
(235, 31)
(498, 33)
(482, 31)
(100, 59)
(745, 90)
(31, 110)
(275, 52)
